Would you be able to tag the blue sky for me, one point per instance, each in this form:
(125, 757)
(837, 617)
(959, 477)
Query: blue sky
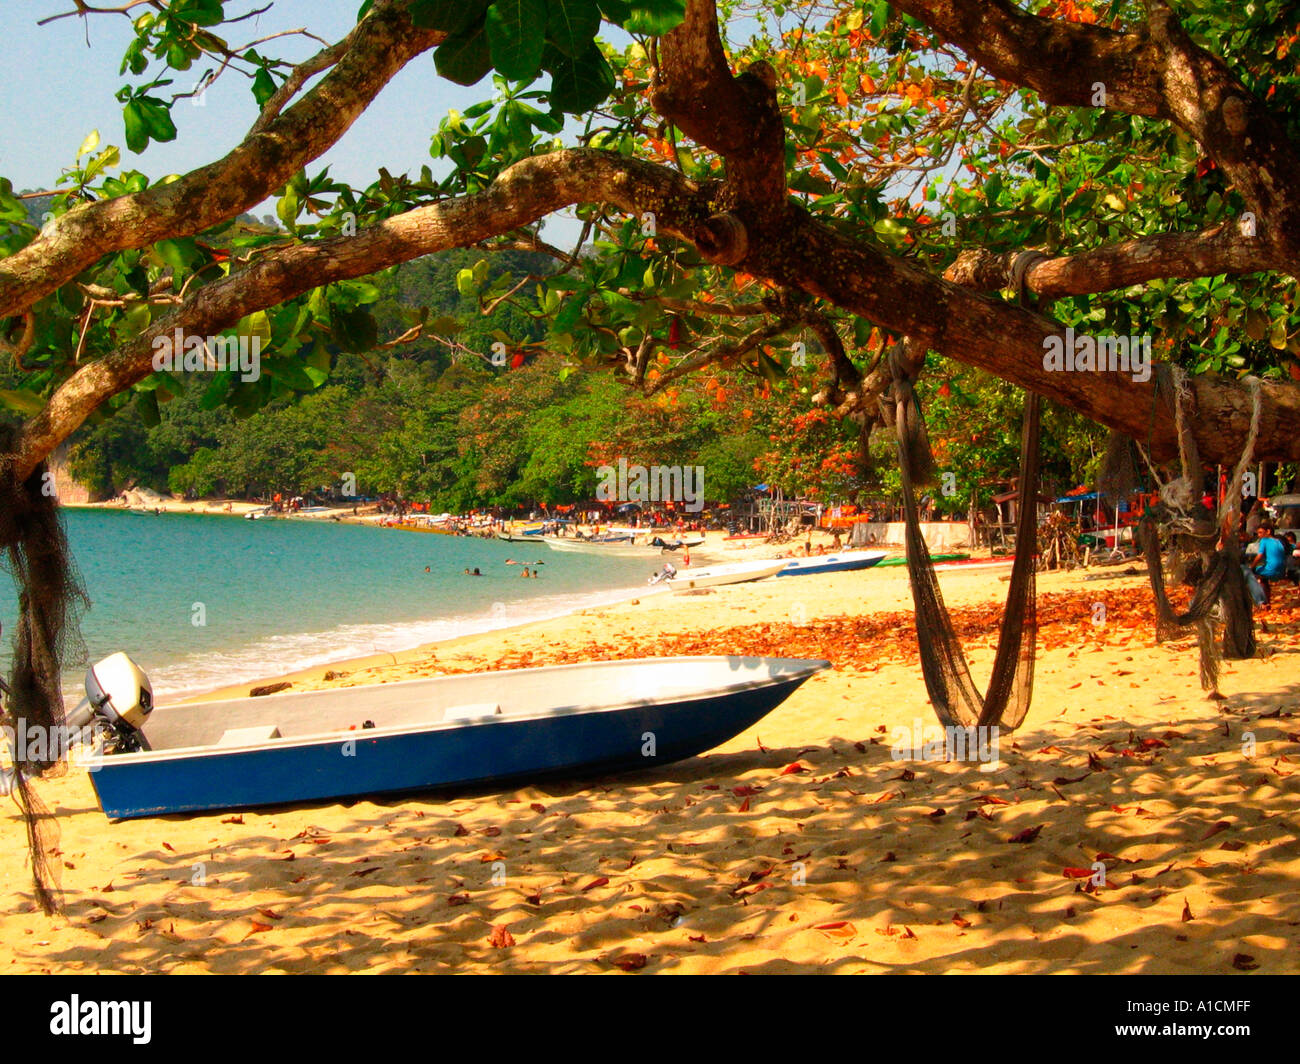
(55, 90)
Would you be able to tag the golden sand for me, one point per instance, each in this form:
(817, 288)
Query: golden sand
(801, 845)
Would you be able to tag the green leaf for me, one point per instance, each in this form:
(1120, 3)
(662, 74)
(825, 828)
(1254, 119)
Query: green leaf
(255, 326)
(200, 12)
(263, 86)
(157, 119)
(571, 312)
(178, 56)
(179, 254)
(579, 85)
(464, 57)
(286, 208)
(353, 330)
(453, 16)
(294, 374)
(215, 394)
(137, 131)
(363, 292)
(513, 40)
(770, 368)
(22, 402)
(146, 404)
(571, 25)
(879, 17)
(654, 18)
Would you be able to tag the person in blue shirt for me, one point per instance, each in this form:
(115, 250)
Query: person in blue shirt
(1269, 561)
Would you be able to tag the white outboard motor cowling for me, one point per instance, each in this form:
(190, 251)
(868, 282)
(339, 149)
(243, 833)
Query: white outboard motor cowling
(118, 693)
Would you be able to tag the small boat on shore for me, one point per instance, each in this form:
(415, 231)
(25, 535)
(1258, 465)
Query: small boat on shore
(847, 561)
(736, 573)
(902, 559)
(622, 547)
(475, 730)
(520, 535)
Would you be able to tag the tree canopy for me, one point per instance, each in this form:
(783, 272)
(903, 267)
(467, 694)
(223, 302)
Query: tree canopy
(767, 191)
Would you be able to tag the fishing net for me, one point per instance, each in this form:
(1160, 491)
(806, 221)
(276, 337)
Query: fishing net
(948, 681)
(1193, 531)
(51, 600)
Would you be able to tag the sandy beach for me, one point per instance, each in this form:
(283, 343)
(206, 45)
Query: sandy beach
(1131, 825)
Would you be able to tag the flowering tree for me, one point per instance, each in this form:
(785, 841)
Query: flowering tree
(760, 186)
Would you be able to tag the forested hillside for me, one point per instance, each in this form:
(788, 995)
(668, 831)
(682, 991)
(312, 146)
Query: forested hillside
(444, 418)
(434, 419)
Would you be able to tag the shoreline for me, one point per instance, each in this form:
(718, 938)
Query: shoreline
(655, 607)
(397, 658)
(714, 552)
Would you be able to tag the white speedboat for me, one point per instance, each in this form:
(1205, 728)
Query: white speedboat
(736, 573)
(844, 562)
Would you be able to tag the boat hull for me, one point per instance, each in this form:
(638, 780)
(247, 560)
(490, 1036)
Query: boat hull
(721, 575)
(623, 548)
(832, 563)
(496, 751)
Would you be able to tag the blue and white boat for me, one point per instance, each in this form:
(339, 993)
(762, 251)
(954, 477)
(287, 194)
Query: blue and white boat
(833, 563)
(475, 730)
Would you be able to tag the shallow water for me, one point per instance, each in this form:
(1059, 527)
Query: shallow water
(204, 600)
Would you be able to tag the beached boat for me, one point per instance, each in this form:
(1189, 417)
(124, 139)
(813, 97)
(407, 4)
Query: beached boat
(832, 563)
(623, 547)
(474, 730)
(718, 575)
(902, 559)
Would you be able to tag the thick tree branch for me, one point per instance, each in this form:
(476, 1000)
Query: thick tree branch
(384, 42)
(525, 192)
(1010, 342)
(795, 251)
(1158, 72)
(736, 117)
(1222, 249)
(1061, 61)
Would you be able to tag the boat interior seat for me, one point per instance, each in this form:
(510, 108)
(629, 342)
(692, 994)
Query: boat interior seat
(246, 736)
(472, 711)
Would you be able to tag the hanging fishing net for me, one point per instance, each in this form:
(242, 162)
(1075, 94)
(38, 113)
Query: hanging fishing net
(51, 600)
(948, 681)
(1209, 539)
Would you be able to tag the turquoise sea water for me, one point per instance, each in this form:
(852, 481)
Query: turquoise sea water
(277, 595)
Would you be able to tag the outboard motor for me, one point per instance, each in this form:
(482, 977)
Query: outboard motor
(119, 694)
(119, 697)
